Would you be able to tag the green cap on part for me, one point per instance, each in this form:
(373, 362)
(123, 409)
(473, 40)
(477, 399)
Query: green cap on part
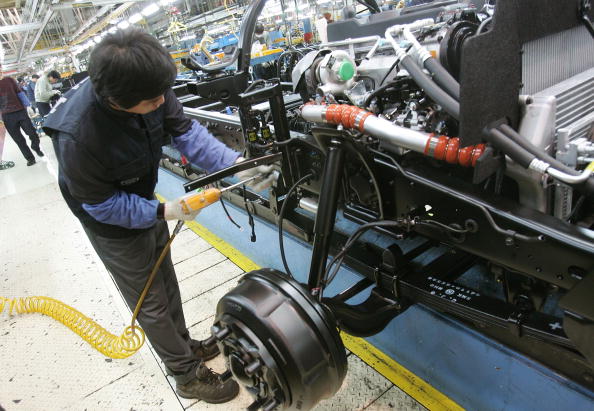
(346, 71)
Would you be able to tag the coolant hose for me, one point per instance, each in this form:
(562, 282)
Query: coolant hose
(519, 154)
(509, 147)
(587, 186)
(435, 92)
(392, 136)
(443, 78)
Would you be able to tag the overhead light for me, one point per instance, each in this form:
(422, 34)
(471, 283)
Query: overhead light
(124, 25)
(135, 18)
(166, 2)
(150, 9)
(112, 30)
(97, 38)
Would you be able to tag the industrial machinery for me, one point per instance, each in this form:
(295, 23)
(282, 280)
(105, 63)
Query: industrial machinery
(458, 141)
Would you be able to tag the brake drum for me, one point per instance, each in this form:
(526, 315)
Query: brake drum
(279, 342)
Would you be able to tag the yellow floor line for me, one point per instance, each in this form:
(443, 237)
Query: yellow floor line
(408, 382)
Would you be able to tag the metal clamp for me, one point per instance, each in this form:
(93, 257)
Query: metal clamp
(231, 170)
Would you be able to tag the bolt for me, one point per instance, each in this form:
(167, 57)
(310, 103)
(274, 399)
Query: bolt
(252, 368)
(588, 377)
(509, 241)
(222, 333)
(270, 405)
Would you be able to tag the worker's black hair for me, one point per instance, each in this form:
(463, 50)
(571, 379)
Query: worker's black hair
(130, 66)
(259, 29)
(20, 79)
(54, 74)
(35, 76)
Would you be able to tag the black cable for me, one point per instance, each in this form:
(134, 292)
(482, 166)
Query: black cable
(227, 213)
(381, 90)
(339, 257)
(254, 84)
(250, 216)
(280, 222)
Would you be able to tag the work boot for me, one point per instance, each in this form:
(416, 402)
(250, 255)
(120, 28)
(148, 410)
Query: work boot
(30, 162)
(38, 152)
(203, 352)
(208, 387)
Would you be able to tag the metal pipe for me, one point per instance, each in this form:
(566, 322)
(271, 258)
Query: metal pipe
(439, 147)
(309, 204)
(349, 41)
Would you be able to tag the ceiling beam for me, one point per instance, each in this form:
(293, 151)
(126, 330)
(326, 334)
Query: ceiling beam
(16, 28)
(102, 24)
(48, 16)
(91, 20)
(30, 18)
(89, 3)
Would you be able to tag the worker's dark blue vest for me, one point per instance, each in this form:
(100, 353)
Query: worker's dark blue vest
(130, 155)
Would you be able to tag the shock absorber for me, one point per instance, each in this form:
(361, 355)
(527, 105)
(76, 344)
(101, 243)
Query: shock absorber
(441, 147)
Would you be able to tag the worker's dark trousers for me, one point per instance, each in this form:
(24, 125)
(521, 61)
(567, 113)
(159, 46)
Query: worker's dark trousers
(16, 121)
(44, 108)
(130, 261)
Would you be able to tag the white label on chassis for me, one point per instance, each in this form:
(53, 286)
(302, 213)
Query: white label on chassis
(452, 292)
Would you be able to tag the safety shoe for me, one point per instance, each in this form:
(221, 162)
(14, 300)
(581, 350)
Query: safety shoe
(30, 162)
(204, 352)
(208, 387)
(38, 152)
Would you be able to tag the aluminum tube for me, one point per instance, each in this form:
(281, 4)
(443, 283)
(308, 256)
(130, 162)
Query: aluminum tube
(314, 113)
(348, 42)
(395, 135)
(383, 129)
(421, 51)
(567, 178)
(309, 204)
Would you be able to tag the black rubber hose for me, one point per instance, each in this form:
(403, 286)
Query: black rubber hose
(509, 147)
(587, 186)
(435, 92)
(379, 91)
(443, 78)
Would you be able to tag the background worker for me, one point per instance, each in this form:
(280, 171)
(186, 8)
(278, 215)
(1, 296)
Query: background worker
(13, 104)
(44, 91)
(108, 134)
(30, 91)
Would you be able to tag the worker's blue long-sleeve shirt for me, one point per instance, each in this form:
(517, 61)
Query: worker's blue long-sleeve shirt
(133, 211)
(109, 159)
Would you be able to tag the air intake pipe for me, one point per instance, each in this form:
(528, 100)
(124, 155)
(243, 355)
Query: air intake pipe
(391, 135)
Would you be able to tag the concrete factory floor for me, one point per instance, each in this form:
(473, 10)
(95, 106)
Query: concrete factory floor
(44, 252)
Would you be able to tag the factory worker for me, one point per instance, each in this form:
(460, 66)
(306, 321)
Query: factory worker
(108, 132)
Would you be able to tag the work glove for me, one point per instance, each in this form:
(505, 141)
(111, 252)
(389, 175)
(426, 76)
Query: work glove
(57, 93)
(30, 112)
(174, 211)
(269, 176)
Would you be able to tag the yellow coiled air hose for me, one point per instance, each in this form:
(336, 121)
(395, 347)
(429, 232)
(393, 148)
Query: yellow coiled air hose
(108, 344)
